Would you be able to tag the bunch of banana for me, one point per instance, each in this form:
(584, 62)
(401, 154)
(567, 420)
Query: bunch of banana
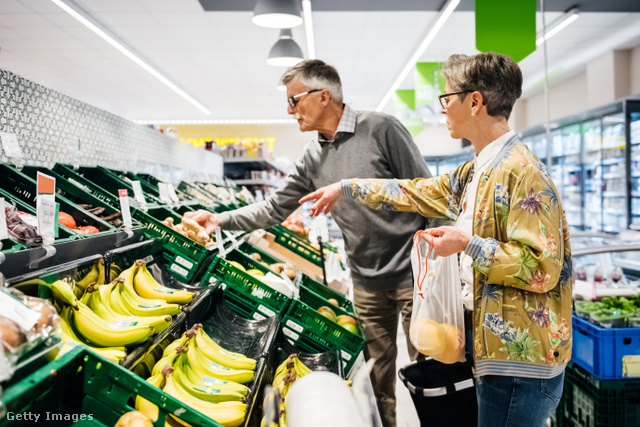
(146, 286)
(227, 413)
(93, 329)
(286, 374)
(95, 275)
(199, 373)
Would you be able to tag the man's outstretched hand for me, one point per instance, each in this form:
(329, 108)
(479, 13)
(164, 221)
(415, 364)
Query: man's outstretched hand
(325, 198)
(205, 219)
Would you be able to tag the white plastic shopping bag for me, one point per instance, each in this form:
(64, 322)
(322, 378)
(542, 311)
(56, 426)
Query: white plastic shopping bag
(437, 321)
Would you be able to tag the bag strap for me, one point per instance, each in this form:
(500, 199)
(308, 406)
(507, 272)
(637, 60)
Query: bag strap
(416, 240)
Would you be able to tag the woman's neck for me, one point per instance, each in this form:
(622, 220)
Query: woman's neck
(488, 131)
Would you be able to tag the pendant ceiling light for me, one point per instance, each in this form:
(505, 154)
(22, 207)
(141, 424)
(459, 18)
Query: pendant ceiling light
(277, 13)
(286, 52)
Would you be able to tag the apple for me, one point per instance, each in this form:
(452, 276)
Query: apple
(333, 301)
(350, 327)
(346, 319)
(237, 265)
(328, 313)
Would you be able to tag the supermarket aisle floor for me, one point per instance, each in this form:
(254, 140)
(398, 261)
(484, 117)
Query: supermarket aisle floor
(405, 410)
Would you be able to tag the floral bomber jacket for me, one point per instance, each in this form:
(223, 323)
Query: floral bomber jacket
(521, 256)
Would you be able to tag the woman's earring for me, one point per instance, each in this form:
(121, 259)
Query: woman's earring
(473, 115)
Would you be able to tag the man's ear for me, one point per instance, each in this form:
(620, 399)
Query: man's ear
(325, 97)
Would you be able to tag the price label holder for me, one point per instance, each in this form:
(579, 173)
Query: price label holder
(12, 148)
(222, 252)
(138, 195)
(125, 211)
(231, 237)
(319, 230)
(172, 193)
(47, 217)
(164, 193)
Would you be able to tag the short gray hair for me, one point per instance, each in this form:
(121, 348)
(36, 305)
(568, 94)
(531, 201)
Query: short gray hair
(316, 74)
(496, 76)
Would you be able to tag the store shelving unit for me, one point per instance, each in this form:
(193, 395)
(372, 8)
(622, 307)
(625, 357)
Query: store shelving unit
(238, 169)
(591, 163)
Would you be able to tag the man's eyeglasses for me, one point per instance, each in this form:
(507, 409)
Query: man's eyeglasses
(293, 100)
(443, 98)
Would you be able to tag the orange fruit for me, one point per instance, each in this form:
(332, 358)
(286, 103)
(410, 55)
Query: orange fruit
(428, 337)
(454, 350)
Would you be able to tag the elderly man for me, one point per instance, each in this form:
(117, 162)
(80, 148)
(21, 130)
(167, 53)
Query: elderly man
(351, 144)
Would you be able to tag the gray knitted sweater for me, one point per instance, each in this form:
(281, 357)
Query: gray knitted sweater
(378, 243)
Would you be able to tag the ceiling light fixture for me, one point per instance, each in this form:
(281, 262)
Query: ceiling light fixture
(442, 17)
(277, 13)
(85, 19)
(558, 25)
(215, 121)
(308, 27)
(286, 52)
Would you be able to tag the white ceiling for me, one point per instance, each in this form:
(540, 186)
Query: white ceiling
(219, 57)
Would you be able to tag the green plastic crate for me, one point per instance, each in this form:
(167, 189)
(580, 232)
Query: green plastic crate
(326, 292)
(302, 319)
(592, 402)
(101, 182)
(188, 256)
(75, 193)
(10, 246)
(82, 383)
(248, 249)
(246, 284)
(23, 188)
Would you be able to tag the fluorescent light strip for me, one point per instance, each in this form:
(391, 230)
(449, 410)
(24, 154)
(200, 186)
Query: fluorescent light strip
(443, 16)
(563, 22)
(215, 121)
(128, 53)
(308, 28)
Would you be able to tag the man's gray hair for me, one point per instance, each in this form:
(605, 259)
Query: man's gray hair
(496, 76)
(316, 74)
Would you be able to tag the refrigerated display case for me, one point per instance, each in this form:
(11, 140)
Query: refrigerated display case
(439, 165)
(596, 171)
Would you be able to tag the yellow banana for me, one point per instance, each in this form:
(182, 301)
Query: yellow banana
(136, 305)
(62, 291)
(300, 367)
(198, 361)
(218, 393)
(101, 273)
(146, 407)
(103, 309)
(147, 287)
(126, 276)
(115, 271)
(214, 352)
(169, 359)
(229, 414)
(92, 276)
(197, 378)
(175, 344)
(98, 332)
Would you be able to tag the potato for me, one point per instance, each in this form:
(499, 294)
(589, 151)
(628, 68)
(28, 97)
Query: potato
(12, 336)
(47, 315)
(134, 419)
(256, 256)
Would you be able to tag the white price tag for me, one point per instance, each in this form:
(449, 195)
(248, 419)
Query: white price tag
(319, 229)
(124, 209)
(259, 195)
(3, 221)
(172, 193)
(164, 192)
(222, 252)
(16, 310)
(10, 145)
(46, 207)
(138, 194)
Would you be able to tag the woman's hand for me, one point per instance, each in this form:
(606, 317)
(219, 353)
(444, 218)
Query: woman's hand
(325, 198)
(205, 219)
(448, 240)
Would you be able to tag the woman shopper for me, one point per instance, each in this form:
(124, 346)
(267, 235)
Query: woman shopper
(512, 234)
